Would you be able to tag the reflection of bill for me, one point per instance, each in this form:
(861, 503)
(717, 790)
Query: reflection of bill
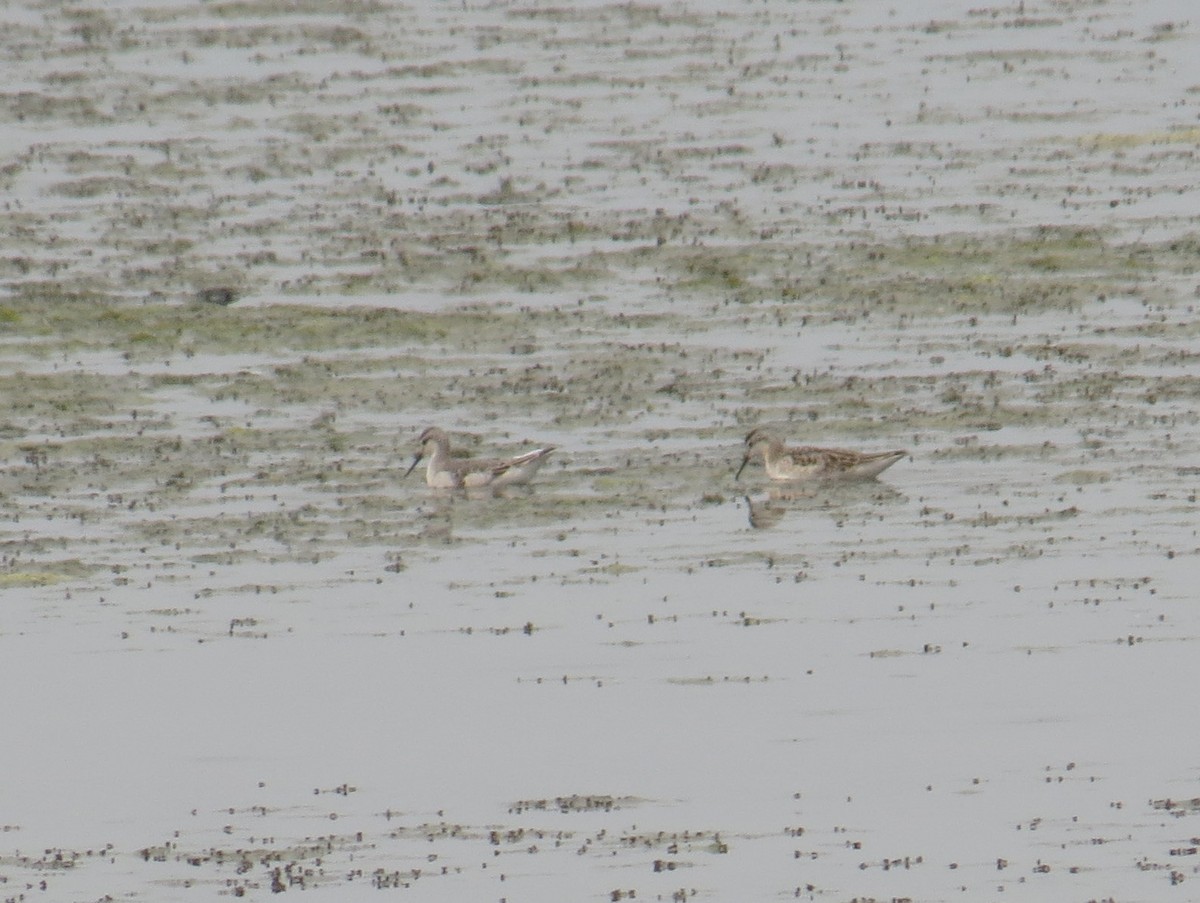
(762, 513)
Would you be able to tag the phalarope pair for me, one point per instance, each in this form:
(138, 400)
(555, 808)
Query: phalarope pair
(808, 463)
(781, 463)
(445, 472)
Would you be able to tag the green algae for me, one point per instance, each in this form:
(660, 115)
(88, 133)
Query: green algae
(47, 572)
(645, 339)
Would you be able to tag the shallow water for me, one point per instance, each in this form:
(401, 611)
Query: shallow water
(244, 656)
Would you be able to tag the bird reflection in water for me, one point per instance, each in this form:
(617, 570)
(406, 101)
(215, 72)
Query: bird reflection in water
(769, 508)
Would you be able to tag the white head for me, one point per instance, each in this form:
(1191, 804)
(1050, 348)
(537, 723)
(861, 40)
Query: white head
(757, 442)
(430, 441)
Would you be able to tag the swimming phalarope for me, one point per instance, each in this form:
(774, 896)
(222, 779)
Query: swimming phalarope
(444, 472)
(809, 463)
